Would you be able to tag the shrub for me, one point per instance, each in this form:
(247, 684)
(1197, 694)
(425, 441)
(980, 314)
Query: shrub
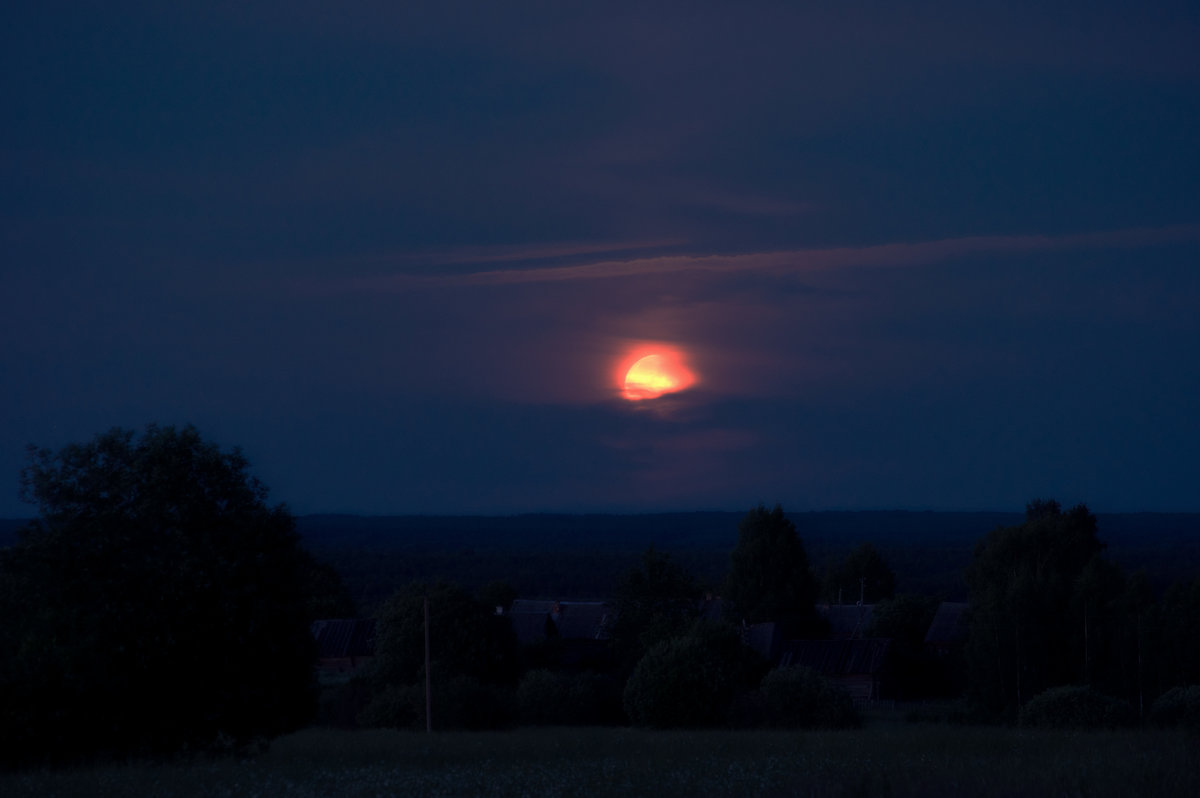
(596, 699)
(458, 703)
(464, 703)
(541, 698)
(1075, 707)
(801, 697)
(1179, 706)
(550, 698)
(341, 705)
(686, 681)
(962, 712)
(394, 707)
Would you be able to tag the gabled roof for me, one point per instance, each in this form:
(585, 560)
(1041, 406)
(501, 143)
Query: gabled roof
(949, 624)
(574, 620)
(837, 657)
(344, 637)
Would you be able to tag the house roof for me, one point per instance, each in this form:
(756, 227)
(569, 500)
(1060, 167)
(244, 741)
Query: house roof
(847, 621)
(344, 637)
(837, 657)
(574, 620)
(949, 623)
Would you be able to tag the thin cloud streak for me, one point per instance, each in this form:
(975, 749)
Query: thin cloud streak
(804, 261)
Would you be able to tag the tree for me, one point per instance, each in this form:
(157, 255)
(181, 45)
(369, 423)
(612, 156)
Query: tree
(1022, 583)
(473, 660)
(1075, 706)
(864, 574)
(800, 697)
(691, 680)
(653, 602)
(769, 575)
(158, 601)
(1181, 634)
(466, 638)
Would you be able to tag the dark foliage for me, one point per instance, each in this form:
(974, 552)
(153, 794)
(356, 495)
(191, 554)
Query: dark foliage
(326, 594)
(1023, 582)
(458, 703)
(158, 602)
(584, 556)
(653, 602)
(499, 595)
(464, 703)
(394, 706)
(769, 575)
(474, 661)
(863, 575)
(1180, 630)
(466, 638)
(1179, 706)
(691, 680)
(341, 705)
(547, 697)
(1076, 707)
(799, 697)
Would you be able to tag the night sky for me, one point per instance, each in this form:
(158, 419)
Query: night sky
(943, 256)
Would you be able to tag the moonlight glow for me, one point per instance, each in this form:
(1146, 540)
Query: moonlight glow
(655, 372)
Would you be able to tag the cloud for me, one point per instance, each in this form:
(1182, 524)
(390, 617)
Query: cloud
(782, 263)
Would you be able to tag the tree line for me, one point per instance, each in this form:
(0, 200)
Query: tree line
(159, 603)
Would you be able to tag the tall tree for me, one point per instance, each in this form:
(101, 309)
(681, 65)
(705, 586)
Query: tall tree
(157, 601)
(1180, 633)
(864, 575)
(1023, 581)
(769, 575)
(467, 638)
(653, 601)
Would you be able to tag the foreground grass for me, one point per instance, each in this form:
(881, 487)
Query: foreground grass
(893, 760)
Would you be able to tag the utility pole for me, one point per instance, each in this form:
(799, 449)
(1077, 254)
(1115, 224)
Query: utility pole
(428, 700)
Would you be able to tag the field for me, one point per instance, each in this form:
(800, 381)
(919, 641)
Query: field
(883, 759)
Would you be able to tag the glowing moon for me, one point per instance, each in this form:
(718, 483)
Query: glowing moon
(655, 374)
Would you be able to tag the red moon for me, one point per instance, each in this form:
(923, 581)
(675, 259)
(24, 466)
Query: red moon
(654, 372)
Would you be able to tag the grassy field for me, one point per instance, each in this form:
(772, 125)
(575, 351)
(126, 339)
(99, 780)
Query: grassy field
(883, 759)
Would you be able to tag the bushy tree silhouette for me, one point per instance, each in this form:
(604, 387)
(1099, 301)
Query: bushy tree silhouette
(157, 602)
(654, 601)
(1023, 580)
(864, 575)
(769, 575)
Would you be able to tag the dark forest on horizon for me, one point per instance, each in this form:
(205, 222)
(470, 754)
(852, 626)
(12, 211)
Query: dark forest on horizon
(580, 556)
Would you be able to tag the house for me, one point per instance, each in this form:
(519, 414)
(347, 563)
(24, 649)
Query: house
(344, 645)
(858, 666)
(535, 620)
(575, 632)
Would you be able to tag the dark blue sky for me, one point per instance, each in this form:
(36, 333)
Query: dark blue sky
(938, 257)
